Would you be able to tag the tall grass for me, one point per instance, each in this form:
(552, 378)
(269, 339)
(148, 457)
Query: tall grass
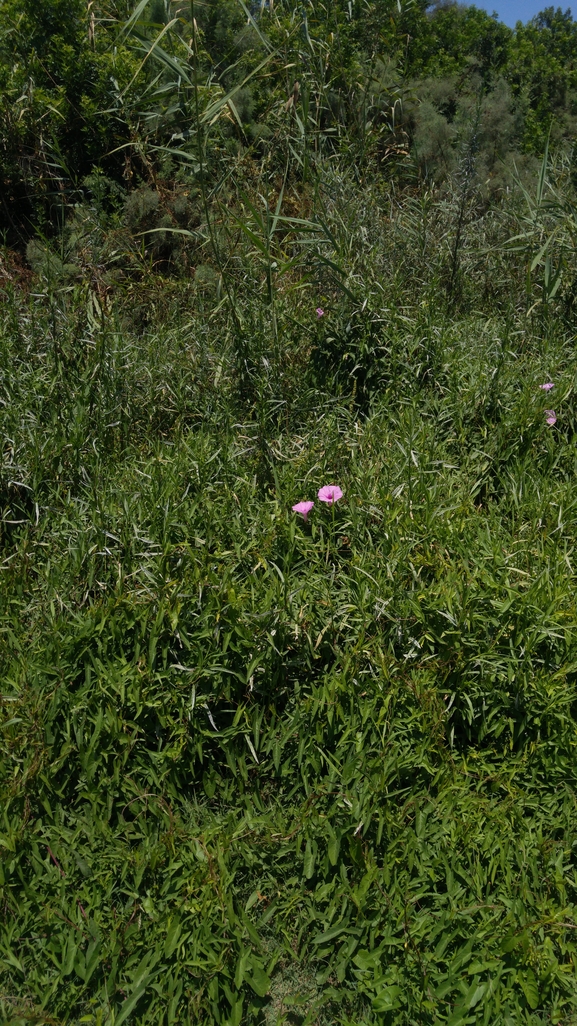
(263, 770)
(257, 769)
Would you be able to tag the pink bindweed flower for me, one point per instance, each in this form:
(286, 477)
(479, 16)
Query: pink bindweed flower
(551, 418)
(330, 494)
(547, 386)
(319, 312)
(304, 508)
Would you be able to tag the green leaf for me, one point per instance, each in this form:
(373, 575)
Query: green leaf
(330, 934)
(140, 982)
(172, 936)
(333, 850)
(259, 981)
(529, 986)
(387, 999)
(9, 957)
(310, 859)
(367, 960)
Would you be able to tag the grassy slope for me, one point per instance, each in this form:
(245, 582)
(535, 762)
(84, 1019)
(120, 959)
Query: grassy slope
(256, 768)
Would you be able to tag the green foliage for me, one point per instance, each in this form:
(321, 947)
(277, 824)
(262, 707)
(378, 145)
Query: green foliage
(542, 72)
(455, 39)
(256, 769)
(122, 92)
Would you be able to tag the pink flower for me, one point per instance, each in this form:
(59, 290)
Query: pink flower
(551, 418)
(330, 494)
(304, 508)
(320, 312)
(547, 386)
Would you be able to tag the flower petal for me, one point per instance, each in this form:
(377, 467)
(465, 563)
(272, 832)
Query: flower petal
(330, 494)
(303, 507)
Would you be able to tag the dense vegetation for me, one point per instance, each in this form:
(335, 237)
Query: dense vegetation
(255, 767)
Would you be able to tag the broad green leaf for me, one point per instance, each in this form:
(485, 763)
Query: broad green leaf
(259, 981)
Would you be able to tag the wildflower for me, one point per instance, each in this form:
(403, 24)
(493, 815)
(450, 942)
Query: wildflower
(551, 418)
(304, 508)
(320, 312)
(330, 494)
(547, 386)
